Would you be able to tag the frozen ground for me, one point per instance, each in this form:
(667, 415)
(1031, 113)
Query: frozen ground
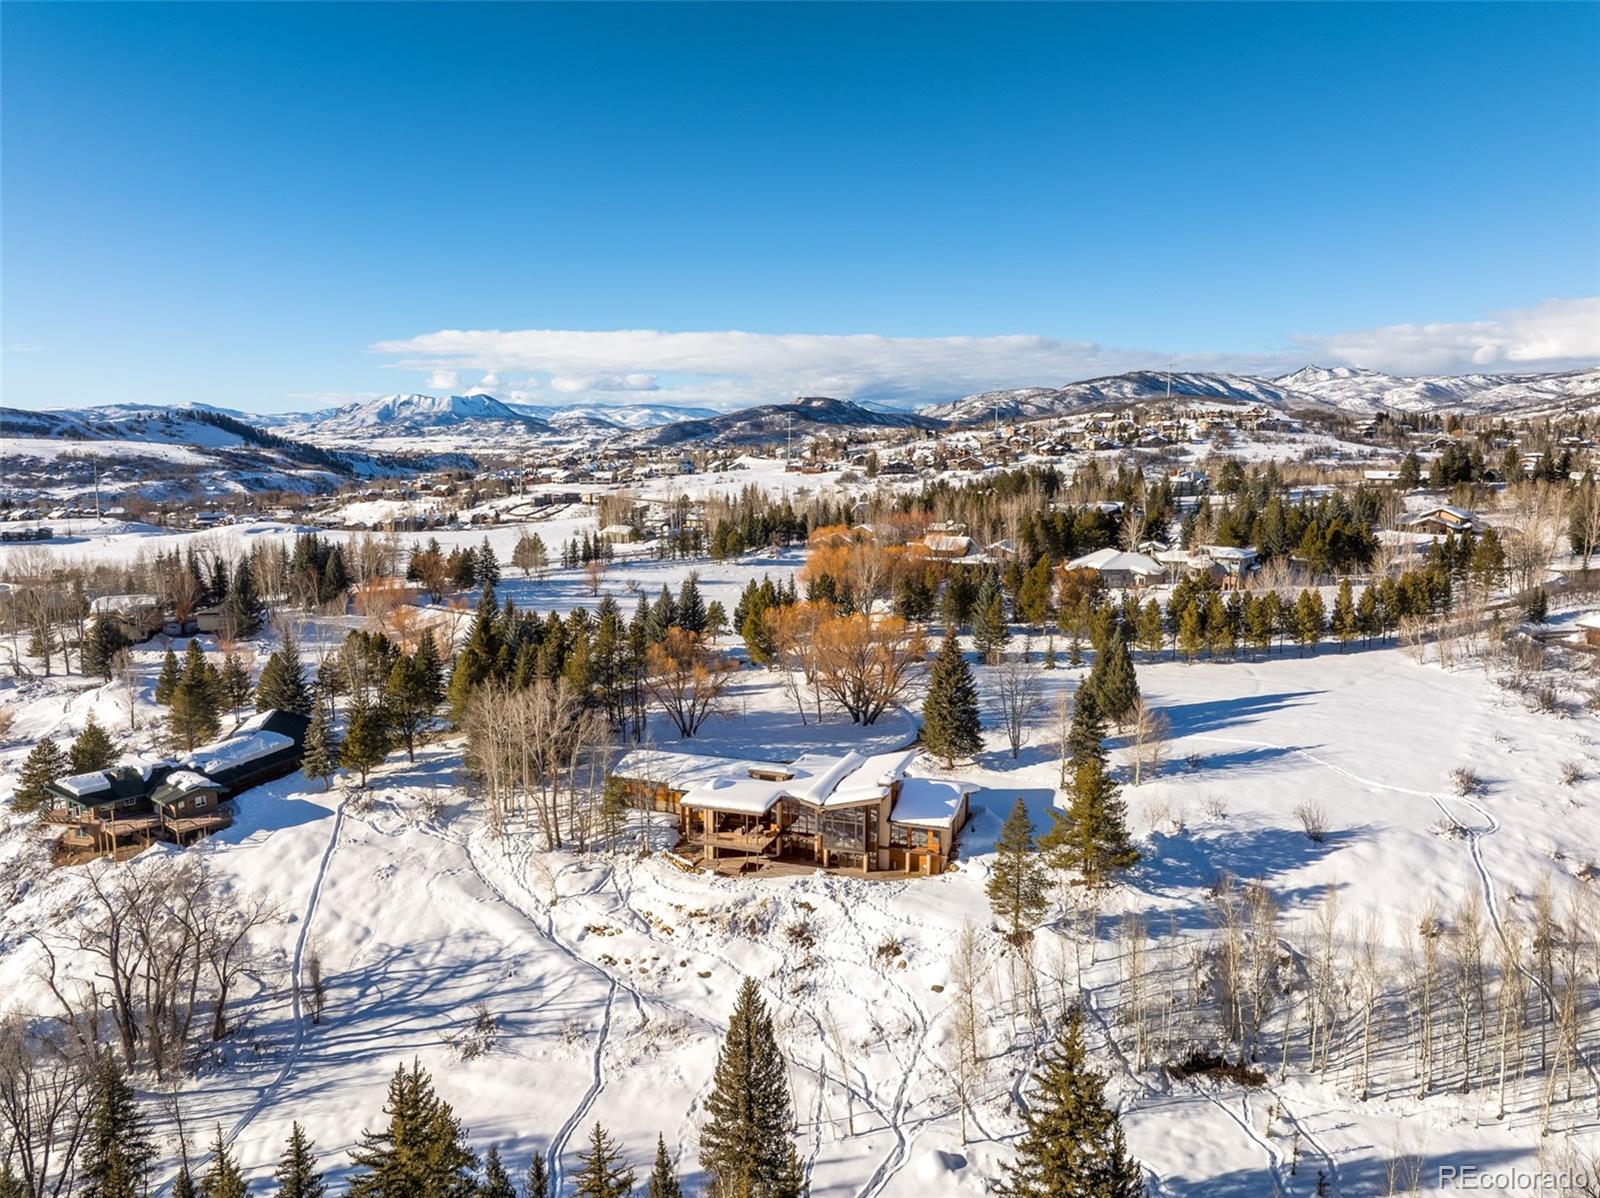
(610, 975)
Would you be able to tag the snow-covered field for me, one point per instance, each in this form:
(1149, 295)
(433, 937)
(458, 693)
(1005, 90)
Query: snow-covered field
(610, 974)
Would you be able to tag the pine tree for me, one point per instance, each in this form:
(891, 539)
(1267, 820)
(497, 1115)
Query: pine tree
(183, 1184)
(1115, 686)
(529, 554)
(476, 661)
(1088, 728)
(1072, 1145)
(334, 587)
(1310, 619)
(246, 612)
(233, 685)
(602, 1173)
(322, 747)
(297, 1174)
(406, 700)
(747, 1143)
(1016, 885)
(1191, 629)
(421, 1152)
(193, 714)
(282, 685)
(496, 1181)
(101, 645)
(951, 728)
(691, 605)
(117, 1150)
(663, 1180)
(366, 739)
(432, 668)
(93, 749)
(989, 629)
(223, 1178)
(167, 680)
(44, 764)
(1346, 625)
(1092, 836)
(1033, 597)
(488, 568)
(537, 1182)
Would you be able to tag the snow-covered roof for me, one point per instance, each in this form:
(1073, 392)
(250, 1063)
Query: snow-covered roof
(929, 802)
(119, 603)
(82, 785)
(189, 780)
(1588, 620)
(681, 771)
(1229, 553)
(236, 751)
(1117, 560)
(726, 784)
(947, 542)
(871, 778)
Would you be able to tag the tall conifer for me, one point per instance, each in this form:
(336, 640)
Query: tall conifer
(951, 728)
(747, 1144)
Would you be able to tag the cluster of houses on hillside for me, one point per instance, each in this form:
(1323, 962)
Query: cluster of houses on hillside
(848, 813)
(143, 800)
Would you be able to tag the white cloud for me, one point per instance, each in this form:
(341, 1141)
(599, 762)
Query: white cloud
(1554, 335)
(730, 368)
(443, 380)
(489, 381)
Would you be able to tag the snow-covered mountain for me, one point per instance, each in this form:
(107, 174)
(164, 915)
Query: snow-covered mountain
(1365, 391)
(393, 416)
(1347, 388)
(1030, 403)
(622, 415)
(769, 424)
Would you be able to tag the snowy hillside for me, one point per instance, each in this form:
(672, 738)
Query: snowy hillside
(417, 415)
(622, 415)
(1030, 403)
(1367, 391)
(769, 424)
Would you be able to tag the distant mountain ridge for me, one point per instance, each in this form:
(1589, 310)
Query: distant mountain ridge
(770, 424)
(1347, 389)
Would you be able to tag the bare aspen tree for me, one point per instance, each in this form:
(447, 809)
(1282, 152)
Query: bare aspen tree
(46, 1094)
(1466, 959)
(1511, 998)
(1063, 740)
(1370, 981)
(1422, 964)
(1148, 740)
(836, 1037)
(1135, 984)
(1262, 912)
(1018, 682)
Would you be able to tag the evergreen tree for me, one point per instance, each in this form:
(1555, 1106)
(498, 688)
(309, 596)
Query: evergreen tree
(167, 680)
(989, 629)
(245, 610)
(1191, 629)
(529, 554)
(1092, 836)
(193, 714)
(93, 749)
(478, 655)
(1410, 472)
(432, 668)
(322, 747)
(406, 700)
(950, 725)
(1033, 597)
(691, 605)
(663, 1180)
(1346, 626)
(488, 568)
(223, 1178)
(233, 685)
(117, 1150)
(1016, 884)
(1088, 728)
(101, 645)
(421, 1152)
(1115, 687)
(282, 685)
(44, 764)
(716, 619)
(602, 1173)
(537, 1182)
(334, 587)
(1072, 1145)
(747, 1142)
(297, 1174)
(496, 1181)
(366, 739)
(183, 1184)
(1310, 617)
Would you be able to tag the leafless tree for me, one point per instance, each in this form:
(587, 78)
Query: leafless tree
(1018, 682)
(45, 1097)
(1148, 740)
(687, 679)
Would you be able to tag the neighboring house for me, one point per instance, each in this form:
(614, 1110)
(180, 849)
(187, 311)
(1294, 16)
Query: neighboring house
(1442, 519)
(145, 800)
(1120, 569)
(947, 545)
(847, 812)
(138, 617)
(617, 534)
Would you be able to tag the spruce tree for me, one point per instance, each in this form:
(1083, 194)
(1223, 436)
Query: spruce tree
(432, 668)
(1092, 836)
(233, 685)
(1115, 686)
(747, 1143)
(183, 1184)
(117, 1150)
(1088, 727)
(322, 747)
(167, 680)
(406, 700)
(1033, 597)
(334, 587)
(297, 1174)
(951, 728)
(93, 749)
(193, 714)
(691, 605)
(366, 739)
(1072, 1145)
(282, 686)
(104, 640)
(602, 1173)
(536, 1184)
(488, 566)
(223, 1178)
(1346, 626)
(476, 661)
(246, 612)
(1191, 629)
(1016, 885)
(989, 630)
(421, 1152)
(496, 1181)
(44, 764)
(663, 1179)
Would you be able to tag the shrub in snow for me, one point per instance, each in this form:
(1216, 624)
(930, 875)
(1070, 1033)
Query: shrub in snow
(1571, 773)
(1313, 820)
(1466, 781)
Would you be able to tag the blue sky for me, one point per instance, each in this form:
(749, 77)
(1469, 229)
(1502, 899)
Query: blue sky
(284, 206)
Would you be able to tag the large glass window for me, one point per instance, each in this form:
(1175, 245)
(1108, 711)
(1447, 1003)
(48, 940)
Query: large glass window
(844, 831)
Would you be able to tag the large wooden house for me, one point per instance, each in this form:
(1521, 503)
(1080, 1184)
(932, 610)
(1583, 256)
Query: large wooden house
(140, 801)
(849, 813)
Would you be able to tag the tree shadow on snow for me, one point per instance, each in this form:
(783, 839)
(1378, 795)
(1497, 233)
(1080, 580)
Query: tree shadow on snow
(1212, 715)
